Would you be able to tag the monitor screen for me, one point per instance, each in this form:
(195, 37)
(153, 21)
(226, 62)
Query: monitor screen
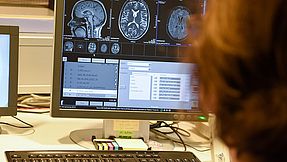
(122, 59)
(9, 36)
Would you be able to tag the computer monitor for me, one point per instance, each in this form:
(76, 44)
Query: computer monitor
(121, 59)
(9, 37)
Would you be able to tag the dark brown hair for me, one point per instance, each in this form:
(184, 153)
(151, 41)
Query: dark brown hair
(242, 57)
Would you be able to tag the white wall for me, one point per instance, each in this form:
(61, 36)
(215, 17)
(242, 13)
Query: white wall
(35, 63)
(36, 27)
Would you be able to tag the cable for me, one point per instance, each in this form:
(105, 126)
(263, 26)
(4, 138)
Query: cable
(172, 139)
(175, 129)
(34, 103)
(204, 150)
(16, 126)
(29, 125)
(34, 100)
(181, 131)
(178, 135)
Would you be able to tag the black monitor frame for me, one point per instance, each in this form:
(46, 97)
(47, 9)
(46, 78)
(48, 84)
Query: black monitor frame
(57, 111)
(13, 31)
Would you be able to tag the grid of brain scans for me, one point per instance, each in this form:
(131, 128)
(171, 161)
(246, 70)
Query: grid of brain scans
(157, 29)
(124, 54)
(4, 69)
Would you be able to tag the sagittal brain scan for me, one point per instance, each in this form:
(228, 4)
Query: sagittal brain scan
(177, 23)
(134, 19)
(92, 47)
(115, 48)
(88, 19)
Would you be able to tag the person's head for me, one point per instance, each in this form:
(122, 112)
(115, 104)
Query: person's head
(242, 57)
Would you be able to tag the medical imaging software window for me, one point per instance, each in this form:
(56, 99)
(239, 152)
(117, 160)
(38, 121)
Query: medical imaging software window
(123, 54)
(4, 69)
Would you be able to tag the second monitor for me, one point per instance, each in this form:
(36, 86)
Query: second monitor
(9, 44)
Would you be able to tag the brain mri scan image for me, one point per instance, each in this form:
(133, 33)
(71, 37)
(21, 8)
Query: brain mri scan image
(88, 19)
(92, 47)
(68, 46)
(134, 19)
(104, 48)
(177, 23)
(115, 48)
(80, 47)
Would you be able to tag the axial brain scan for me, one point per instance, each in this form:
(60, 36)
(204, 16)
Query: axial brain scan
(88, 19)
(177, 23)
(92, 47)
(104, 48)
(134, 19)
(115, 48)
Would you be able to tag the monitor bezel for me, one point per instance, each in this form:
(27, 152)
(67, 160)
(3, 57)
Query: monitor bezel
(11, 109)
(57, 111)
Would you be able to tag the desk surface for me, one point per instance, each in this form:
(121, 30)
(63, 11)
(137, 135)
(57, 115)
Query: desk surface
(53, 133)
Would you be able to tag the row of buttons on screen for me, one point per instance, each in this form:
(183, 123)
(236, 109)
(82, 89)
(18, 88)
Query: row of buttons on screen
(189, 117)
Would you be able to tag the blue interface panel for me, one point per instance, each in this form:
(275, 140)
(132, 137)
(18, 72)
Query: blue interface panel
(4, 69)
(126, 55)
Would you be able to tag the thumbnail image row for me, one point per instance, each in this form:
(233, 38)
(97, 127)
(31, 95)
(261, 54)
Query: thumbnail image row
(119, 48)
(92, 47)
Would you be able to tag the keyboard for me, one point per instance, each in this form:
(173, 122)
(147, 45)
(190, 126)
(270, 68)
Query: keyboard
(100, 156)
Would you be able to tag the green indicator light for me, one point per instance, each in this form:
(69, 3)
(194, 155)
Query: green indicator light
(201, 117)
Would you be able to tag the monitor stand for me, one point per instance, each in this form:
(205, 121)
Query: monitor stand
(112, 128)
(126, 129)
